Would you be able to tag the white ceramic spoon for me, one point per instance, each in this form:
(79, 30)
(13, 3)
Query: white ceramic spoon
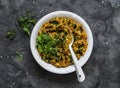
(79, 71)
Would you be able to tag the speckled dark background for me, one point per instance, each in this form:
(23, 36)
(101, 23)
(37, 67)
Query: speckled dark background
(102, 69)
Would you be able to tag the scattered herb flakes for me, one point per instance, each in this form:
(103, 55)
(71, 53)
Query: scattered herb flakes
(54, 22)
(11, 34)
(25, 22)
(19, 56)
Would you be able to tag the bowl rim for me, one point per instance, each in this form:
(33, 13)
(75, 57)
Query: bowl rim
(48, 66)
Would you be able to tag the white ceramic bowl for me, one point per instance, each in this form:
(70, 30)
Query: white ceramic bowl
(48, 66)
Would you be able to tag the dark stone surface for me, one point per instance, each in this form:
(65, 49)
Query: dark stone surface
(102, 69)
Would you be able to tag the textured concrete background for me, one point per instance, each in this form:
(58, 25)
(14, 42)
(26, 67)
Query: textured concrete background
(103, 68)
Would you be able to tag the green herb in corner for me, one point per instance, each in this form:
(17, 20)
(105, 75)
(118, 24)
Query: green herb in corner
(19, 55)
(25, 22)
(11, 34)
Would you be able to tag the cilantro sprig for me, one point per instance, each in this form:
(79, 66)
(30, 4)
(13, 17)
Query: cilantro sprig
(10, 34)
(45, 44)
(25, 22)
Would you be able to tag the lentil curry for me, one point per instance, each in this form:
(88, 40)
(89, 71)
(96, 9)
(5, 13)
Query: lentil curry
(54, 38)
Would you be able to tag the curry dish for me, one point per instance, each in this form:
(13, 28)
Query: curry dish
(54, 38)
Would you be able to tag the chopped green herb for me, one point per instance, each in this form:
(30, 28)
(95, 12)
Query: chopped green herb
(25, 22)
(54, 22)
(80, 48)
(74, 26)
(19, 55)
(45, 44)
(11, 34)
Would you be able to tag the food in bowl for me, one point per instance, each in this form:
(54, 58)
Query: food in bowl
(54, 38)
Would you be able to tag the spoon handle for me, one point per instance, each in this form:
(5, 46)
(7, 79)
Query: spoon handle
(79, 71)
(80, 74)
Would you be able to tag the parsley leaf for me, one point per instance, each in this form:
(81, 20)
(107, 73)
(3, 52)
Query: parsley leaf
(19, 55)
(11, 34)
(25, 22)
(45, 44)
